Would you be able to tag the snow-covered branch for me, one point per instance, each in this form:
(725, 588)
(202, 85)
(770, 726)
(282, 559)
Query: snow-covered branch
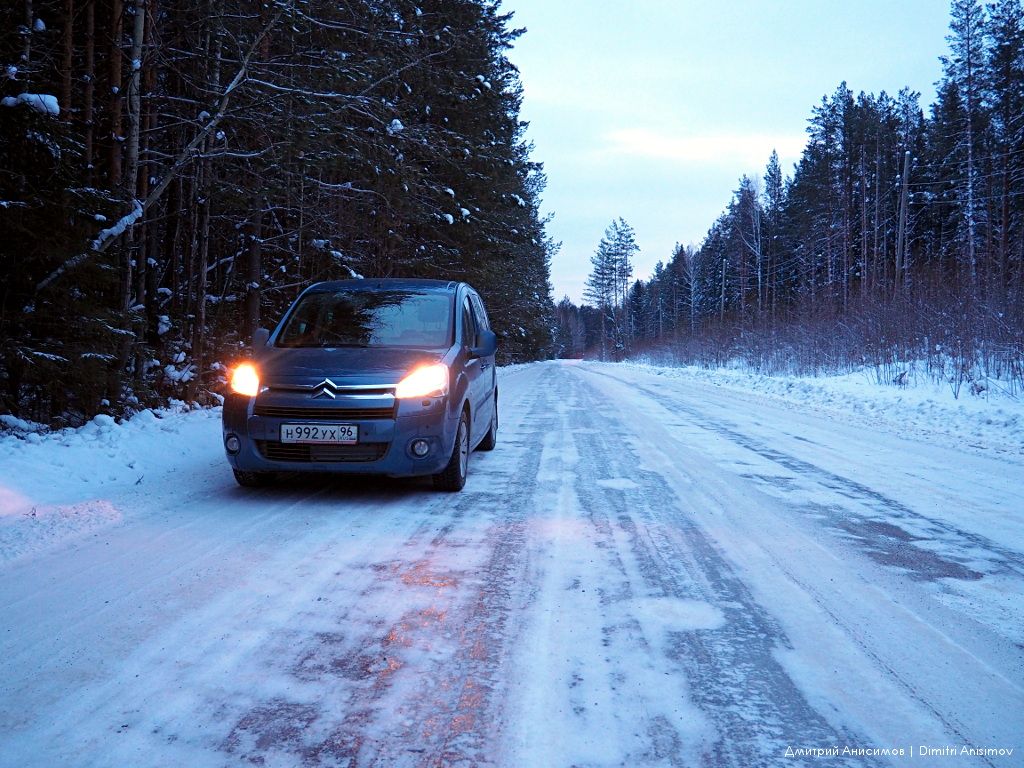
(108, 236)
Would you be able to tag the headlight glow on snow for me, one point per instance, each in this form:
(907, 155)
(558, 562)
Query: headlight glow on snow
(431, 381)
(245, 380)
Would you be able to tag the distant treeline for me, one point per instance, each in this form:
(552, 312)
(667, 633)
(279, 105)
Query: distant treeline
(172, 174)
(898, 237)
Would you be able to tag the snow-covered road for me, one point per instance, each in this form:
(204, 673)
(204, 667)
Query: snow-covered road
(647, 571)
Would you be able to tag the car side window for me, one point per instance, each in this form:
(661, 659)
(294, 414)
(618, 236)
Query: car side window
(468, 325)
(482, 323)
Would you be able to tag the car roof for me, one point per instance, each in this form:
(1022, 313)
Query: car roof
(387, 284)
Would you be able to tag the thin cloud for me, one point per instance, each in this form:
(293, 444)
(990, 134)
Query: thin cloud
(743, 151)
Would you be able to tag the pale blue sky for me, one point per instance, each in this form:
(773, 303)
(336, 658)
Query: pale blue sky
(652, 109)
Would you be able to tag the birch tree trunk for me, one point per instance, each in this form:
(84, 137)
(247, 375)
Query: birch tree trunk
(134, 260)
(253, 274)
(213, 49)
(88, 108)
(131, 179)
(116, 83)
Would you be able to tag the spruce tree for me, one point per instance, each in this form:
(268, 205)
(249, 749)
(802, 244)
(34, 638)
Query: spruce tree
(215, 160)
(1004, 93)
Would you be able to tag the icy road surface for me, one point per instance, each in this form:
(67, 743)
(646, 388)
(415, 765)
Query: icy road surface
(647, 571)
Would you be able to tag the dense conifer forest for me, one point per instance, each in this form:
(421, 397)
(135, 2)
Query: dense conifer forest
(896, 243)
(172, 174)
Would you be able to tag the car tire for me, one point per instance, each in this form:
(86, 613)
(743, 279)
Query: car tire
(453, 476)
(253, 479)
(491, 438)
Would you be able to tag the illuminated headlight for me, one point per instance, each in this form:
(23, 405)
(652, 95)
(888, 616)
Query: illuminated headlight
(431, 381)
(245, 380)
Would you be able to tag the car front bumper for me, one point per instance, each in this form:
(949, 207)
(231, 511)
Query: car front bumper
(383, 447)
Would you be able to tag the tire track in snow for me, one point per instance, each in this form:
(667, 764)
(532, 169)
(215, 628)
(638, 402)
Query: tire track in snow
(421, 690)
(872, 529)
(732, 672)
(884, 630)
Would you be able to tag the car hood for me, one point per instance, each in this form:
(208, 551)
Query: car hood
(289, 366)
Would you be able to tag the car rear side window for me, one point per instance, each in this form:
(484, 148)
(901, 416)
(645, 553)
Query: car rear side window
(468, 325)
(482, 323)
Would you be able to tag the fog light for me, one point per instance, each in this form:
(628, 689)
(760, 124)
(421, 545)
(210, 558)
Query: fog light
(232, 443)
(419, 448)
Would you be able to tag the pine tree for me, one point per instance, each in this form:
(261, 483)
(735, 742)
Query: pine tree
(963, 71)
(609, 282)
(773, 201)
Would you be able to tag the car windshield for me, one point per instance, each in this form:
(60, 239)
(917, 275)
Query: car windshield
(364, 318)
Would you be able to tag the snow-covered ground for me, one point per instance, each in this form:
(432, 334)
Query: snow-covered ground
(60, 485)
(58, 481)
(655, 567)
(992, 420)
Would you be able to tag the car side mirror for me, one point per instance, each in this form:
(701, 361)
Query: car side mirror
(260, 338)
(487, 344)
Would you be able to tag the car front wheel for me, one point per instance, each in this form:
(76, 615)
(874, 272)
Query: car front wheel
(491, 438)
(453, 476)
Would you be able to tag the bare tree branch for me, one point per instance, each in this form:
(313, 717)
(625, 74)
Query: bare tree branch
(109, 236)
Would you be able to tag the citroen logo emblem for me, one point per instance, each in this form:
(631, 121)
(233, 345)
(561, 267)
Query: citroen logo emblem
(325, 388)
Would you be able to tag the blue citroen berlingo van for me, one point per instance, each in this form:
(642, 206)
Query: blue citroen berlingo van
(392, 377)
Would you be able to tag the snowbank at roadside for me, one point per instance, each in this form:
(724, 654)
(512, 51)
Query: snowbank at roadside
(61, 484)
(993, 420)
(57, 485)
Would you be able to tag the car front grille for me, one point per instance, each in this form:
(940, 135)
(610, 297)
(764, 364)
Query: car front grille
(302, 413)
(304, 453)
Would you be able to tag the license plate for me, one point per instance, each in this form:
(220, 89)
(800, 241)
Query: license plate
(330, 434)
